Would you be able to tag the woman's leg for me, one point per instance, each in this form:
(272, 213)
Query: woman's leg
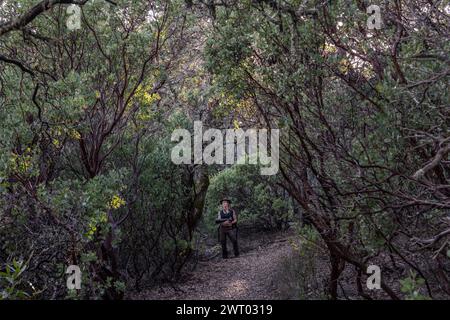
(232, 234)
(223, 242)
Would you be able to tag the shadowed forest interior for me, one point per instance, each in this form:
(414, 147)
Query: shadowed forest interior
(91, 92)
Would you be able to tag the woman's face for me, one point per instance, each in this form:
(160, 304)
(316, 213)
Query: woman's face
(225, 205)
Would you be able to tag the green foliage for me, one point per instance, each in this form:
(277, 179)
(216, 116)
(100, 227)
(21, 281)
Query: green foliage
(359, 119)
(301, 274)
(11, 282)
(86, 117)
(256, 199)
(411, 287)
(79, 151)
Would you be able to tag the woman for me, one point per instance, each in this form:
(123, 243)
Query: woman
(228, 227)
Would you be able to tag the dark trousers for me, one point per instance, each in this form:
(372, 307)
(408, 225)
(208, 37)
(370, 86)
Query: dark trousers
(232, 235)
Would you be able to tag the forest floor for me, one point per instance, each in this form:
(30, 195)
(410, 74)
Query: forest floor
(270, 267)
(248, 277)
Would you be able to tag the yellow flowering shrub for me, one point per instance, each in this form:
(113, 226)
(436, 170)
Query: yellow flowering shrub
(92, 225)
(143, 96)
(21, 163)
(74, 134)
(116, 202)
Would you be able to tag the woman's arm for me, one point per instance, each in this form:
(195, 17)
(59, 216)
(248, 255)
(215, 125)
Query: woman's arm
(219, 219)
(234, 218)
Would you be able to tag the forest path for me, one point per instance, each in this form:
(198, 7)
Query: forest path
(248, 277)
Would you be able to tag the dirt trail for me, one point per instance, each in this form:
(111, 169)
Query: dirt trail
(250, 276)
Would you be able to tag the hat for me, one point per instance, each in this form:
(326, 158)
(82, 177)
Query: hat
(225, 199)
